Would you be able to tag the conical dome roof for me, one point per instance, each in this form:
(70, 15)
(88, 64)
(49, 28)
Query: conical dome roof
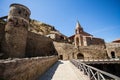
(78, 25)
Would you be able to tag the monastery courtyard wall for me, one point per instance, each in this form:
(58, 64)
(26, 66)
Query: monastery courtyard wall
(25, 68)
(68, 51)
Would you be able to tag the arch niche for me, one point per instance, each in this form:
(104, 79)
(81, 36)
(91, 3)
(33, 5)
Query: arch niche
(61, 57)
(80, 56)
(113, 54)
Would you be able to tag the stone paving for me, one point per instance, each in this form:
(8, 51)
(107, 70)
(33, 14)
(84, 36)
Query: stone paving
(63, 70)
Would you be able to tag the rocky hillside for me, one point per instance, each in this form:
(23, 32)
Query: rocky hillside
(41, 28)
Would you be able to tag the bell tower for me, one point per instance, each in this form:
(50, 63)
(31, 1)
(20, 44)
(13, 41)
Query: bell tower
(78, 29)
(78, 39)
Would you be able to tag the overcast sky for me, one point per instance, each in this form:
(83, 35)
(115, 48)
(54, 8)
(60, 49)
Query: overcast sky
(101, 18)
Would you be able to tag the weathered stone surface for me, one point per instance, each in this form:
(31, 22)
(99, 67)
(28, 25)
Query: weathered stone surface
(26, 68)
(46, 30)
(113, 50)
(40, 27)
(2, 33)
(68, 51)
(16, 31)
(27, 39)
(2, 28)
(64, 49)
(38, 45)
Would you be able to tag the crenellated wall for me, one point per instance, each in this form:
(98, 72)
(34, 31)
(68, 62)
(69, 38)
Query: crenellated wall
(26, 68)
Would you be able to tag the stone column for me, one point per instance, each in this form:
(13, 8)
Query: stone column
(16, 30)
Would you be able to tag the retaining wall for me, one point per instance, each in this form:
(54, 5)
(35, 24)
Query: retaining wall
(25, 68)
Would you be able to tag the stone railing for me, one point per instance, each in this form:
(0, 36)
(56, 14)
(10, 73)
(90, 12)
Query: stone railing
(25, 68)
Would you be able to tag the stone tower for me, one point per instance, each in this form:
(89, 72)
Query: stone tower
(78, 39)
(78, 29)
(16, 30)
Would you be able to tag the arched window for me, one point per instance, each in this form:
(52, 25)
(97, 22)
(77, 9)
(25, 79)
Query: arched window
(80, 56)
(113, 54)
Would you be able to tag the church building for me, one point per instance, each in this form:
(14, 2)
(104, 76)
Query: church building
(82, 38)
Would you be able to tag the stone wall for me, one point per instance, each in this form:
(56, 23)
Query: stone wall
(26, 68)
(113, 50)
(16, 31)
(2, 33)
(2, 28)
(64, 49)
(68, 51)
(93, 52)
(38, 45)
(98, 41)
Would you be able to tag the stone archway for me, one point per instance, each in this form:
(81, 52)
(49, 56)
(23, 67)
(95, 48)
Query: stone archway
(80, 56)
(73, 56)
(61, 57)
(112, 54)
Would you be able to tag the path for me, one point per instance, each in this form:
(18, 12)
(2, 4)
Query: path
(63, 70)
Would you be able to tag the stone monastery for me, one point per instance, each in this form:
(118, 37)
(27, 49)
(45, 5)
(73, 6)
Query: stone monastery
(22, 37)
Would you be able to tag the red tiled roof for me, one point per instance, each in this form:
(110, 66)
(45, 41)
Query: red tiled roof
(117, 40)
(83, 33)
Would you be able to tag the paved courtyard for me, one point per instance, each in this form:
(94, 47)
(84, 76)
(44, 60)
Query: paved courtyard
(63, 70)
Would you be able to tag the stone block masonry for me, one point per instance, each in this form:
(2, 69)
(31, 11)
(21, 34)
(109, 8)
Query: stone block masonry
(26, 68)
(15, 39)
(16, 30)
(2, 33)
(38, 45)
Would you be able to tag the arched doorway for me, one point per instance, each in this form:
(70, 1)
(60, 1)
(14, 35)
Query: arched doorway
(73, 56)
(61, 57)
(80, 56)
(113, 54)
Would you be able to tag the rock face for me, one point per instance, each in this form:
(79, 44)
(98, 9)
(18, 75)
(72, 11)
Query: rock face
(16, 31)
(46, 30)
(40, 27)
(38, 45)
